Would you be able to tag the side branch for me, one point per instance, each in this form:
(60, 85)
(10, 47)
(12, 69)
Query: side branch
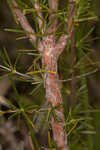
(72, 83)
(71, 29)
(40, 16)
(24, 22)
(61, 44)
(52, 18)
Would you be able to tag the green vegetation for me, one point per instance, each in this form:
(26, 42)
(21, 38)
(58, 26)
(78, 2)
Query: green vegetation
(28, 97)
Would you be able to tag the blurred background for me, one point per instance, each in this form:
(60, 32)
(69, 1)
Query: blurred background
(82, 116)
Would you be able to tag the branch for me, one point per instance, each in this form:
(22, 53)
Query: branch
(40, 23)
(61, 44)
(72, 83)
(63, 39)
(23, 21)
(71, 29)
(17, 73)
(52, 18)
(71, 14)
(40, 16)
(53, 4)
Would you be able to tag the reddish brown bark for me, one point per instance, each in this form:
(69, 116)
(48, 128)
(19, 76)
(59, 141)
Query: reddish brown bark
(39, 17)
(53, 94)
(23, 21)
(50, 54)
(71, 30)
(72, 83)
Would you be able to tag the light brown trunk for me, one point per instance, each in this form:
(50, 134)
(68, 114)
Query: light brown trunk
(53, 94)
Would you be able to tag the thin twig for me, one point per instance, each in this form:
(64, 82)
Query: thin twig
(17, 73)
(52, 17)
(40, 16)
(31, 143)
(81, 76)
(71, 30)
(72, 83)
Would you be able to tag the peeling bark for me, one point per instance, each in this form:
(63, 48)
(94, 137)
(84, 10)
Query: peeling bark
(53, 94)
(50, 54)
